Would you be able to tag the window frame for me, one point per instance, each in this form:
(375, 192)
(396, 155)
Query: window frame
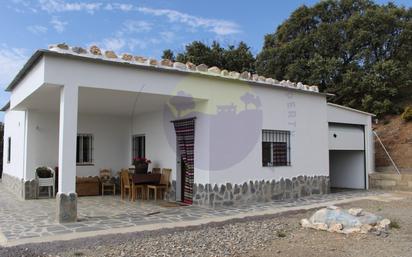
(135, 147)
(80, 150)
(274, 139)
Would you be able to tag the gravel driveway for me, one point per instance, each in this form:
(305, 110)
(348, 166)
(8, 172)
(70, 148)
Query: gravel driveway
(275, 235)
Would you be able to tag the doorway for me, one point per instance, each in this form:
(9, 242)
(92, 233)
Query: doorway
(185, 143)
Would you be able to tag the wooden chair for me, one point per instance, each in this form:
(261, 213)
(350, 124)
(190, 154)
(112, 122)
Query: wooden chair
(163, 185)
(156, 170)
(142, 189)
(107, 182)
(126, 184)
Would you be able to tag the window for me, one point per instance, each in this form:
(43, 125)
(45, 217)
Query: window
(84, 151)
(275, 148)
(138, 146)
(8, 149)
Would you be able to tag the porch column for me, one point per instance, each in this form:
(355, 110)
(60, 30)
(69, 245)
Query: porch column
(67, 197)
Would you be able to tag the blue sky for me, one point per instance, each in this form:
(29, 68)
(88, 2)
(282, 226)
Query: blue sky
(139, 27)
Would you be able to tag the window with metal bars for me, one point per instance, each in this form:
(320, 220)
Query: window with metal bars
(275, 148)
(138, 146)
(84, 149)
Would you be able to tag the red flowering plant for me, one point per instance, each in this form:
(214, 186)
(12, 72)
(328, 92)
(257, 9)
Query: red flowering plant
(141, 160)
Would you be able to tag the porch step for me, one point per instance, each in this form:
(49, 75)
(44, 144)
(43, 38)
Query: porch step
(391, 181)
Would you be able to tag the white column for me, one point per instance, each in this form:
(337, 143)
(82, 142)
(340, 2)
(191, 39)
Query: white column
(68, 138)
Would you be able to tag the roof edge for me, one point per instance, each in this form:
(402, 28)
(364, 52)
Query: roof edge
(26, 68)
(5, 107)
(40, 52)
(351, 109)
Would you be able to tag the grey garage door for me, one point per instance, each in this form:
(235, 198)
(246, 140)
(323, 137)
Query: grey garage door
(347, 156)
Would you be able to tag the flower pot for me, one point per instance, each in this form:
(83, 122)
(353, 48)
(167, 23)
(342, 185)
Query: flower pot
(141, 168)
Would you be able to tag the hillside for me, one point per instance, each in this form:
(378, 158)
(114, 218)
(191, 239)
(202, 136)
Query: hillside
(397, 138)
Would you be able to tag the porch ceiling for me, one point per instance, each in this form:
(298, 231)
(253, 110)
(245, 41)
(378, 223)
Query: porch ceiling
(97, 101)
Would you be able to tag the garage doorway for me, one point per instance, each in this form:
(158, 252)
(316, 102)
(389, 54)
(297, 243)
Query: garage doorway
(347, 168)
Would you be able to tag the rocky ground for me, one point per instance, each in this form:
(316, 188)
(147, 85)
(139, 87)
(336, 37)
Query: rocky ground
(279, 235)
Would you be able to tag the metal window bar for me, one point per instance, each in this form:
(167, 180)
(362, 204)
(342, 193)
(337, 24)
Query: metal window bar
(279, 154)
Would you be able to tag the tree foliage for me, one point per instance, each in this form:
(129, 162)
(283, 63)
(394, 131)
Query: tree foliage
(233, 58)
(168, 54)
(355, 49)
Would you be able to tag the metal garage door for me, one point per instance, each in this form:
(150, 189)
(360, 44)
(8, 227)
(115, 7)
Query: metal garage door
(347, 156)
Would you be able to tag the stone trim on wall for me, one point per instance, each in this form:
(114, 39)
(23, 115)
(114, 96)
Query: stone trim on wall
(259, 191)
(23, 189)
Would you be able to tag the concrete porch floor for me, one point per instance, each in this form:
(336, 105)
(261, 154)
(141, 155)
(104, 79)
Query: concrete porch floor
(34, 220)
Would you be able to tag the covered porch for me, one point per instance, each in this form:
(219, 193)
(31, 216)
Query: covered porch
(111, 127)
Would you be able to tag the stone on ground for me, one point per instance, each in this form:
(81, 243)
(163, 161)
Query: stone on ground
(354, 220)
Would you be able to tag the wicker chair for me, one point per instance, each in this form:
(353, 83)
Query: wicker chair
(107, 182)
(45, 181)
(163, 185)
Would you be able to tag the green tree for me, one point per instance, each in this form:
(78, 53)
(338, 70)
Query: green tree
(234, 58)
(168, 54)
(355, 49)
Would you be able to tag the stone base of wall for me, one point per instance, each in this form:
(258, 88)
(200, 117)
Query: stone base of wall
(23, 189)
(255, 191)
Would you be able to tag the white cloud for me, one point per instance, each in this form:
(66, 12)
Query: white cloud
(11, 61)
(114, 44)
(121, 7)
(58, 25)
(134, 26)
(219, 27)
(53, 6)
(37, 29)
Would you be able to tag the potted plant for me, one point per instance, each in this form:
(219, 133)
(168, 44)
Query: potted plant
(141, 165)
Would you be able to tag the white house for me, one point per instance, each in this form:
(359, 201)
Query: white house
(242, 137)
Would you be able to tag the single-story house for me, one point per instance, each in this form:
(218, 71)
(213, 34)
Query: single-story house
(228, 137)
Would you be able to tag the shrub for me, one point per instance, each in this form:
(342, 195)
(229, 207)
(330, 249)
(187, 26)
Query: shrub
(394, 224)
(407, 114)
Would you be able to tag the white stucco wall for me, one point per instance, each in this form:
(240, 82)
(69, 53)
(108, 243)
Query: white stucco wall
(111, 142)
(42, 141)
(302, 113)
(15, 129)
(305, 117)
(161, 142)
(30, 82)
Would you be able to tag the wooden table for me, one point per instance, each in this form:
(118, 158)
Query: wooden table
(142, 180)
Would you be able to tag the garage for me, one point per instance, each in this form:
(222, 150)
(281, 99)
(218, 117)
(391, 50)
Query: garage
(351, 147)
(347, 156)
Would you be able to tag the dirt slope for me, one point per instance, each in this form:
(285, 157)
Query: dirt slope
(397, 138)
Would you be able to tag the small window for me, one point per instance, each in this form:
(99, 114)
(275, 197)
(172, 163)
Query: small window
(84, 151)
(139, 146)
(275, 148)
(8, 149)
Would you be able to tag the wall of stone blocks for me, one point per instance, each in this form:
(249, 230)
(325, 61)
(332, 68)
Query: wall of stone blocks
(255, 191)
